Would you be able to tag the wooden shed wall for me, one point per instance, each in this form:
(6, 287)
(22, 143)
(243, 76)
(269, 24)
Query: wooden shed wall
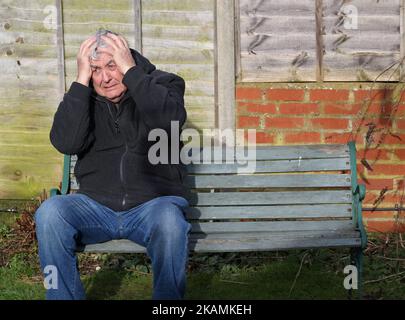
(28, 95)
(177, 36)
(320, 40)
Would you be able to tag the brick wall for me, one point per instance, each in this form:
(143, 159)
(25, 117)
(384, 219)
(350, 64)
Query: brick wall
(371, 114)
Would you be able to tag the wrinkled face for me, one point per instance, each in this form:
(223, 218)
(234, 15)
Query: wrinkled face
(107, 80)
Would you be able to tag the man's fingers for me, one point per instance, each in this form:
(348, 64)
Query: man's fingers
(110, 42)
(118, 40)
(125, 43)
(87, 44)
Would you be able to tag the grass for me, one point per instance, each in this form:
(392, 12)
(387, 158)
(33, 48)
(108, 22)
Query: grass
(296, 274)
(300, 274)
(20, 280)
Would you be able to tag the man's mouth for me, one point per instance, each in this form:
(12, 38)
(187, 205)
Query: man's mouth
(109, 87)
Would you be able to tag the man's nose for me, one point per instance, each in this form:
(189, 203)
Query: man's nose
(106, 76)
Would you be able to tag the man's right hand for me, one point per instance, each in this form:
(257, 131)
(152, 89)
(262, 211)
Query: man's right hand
(83, 61)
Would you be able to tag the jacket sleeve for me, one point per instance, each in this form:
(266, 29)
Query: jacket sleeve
(70, 132)
(159, 96)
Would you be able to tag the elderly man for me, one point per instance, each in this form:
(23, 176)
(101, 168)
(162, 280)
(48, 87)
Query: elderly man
(104, 118)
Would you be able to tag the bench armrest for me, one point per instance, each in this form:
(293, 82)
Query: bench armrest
(359, 192)
(65, 185)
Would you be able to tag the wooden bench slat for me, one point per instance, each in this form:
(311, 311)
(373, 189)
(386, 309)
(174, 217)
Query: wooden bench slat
(332, 234)
(269, 226)
(273, 153)
(271, 212)
(269, 181)
(270, 166)
(234, 245)
(271, 198)
(271, 245)
(296, 152)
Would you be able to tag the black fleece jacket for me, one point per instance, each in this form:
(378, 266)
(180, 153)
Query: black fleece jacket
(112, 143)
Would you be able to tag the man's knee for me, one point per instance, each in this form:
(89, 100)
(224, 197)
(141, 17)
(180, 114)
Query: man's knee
(49, 214)
(170, 220)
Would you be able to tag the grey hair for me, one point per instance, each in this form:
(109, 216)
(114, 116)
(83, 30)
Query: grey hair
(99, 42)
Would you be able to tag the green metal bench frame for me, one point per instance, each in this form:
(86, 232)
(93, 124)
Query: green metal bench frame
(215, 229)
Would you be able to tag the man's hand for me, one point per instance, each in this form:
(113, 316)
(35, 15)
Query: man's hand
(83, 61)
(119, 50)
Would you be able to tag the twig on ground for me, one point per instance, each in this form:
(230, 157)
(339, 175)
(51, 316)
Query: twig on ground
(385, 278)
(298, 273)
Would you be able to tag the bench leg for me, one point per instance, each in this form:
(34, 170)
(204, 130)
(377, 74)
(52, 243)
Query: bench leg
(357, 260)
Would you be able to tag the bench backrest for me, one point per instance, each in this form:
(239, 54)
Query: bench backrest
(301, 190)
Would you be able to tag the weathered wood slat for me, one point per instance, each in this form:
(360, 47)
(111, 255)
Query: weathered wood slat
(285, 7)
(269, 226)
(364, 7)
(261, 153)
(270, 212)
(232, 245)
(181, 5)
(303, 165)
(270, 245)
(176, 17)
(270, 198)
(269, 181)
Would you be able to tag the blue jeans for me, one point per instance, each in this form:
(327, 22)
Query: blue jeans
(66, 221)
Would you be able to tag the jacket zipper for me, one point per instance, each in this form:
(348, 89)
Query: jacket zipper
(122, 157)
(122, 174)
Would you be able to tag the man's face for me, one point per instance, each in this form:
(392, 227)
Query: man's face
(107, 80)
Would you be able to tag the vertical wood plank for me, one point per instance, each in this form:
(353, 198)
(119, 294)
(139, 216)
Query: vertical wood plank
(226, 64)
(402, 30)
(238, 65)
(138, 25)
(60, 48)
(319, 39)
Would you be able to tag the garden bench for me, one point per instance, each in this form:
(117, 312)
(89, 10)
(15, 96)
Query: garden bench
(298, 197)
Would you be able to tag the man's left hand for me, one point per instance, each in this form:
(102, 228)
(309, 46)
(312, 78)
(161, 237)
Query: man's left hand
(119, 50)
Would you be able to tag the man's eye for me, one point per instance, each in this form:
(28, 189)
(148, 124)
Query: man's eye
(95, 70)
(112, 66)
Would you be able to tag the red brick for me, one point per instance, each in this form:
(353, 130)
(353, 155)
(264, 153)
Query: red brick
(378, 184)
(298, 108)
(285, 94)
(303, 137)
(248, 94)
(394, 139)
(258, 108)
(330, 123)
(262, 138)
(345, 137)
(384, 226)
(248, 122)
(329, 95)
(339, 138)
(373, 154)
(282, 123)
(378, 126)
(388, 169)
(384, 109)
(342, 108)
(400, 153)
(372, 95)
(378, 214)
(400, 124)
